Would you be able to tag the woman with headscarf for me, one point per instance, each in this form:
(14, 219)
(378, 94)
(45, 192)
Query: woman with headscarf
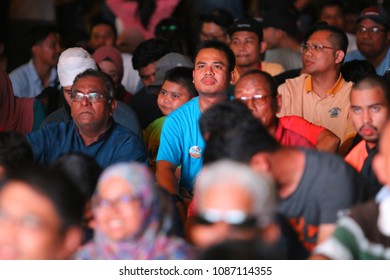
(131, 219)
(18, 114)
(109, 60)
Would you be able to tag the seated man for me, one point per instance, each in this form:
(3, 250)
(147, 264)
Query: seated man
(313, 186)
(40, 216)
(72, 62)
(28, 80)
(258, 91)
(364, 234)
(91, 130)
(370, 100)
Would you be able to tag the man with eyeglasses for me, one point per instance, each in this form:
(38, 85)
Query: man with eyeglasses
(91, 130)
(258, 91)
(372, 39)
(321, 95)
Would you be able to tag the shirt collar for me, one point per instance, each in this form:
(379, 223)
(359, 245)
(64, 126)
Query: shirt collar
(308, 86)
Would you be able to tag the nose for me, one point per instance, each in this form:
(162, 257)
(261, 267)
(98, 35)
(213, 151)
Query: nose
(366, 117)
(209, 71)
(250, 105)
(85, 101)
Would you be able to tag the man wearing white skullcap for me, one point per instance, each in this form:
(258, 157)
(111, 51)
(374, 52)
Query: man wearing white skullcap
(72, 62)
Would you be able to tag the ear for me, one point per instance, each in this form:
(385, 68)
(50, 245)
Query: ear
(70, 243)
(278, 103)
(35, 49)
(339, 56)
(263, 47)
(260, 163)
(112, 105)
(232, 76)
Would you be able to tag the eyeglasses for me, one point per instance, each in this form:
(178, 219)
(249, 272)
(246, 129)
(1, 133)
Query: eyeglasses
(258, 99)
(121, 202)
(27, 221)
(236, 218)
(92, 96)
(314, 47)
(371, 30)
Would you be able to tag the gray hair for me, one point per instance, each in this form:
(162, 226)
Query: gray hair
(259, 186)
(109, 86)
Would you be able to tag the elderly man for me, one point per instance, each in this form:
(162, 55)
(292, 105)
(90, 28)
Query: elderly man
(72, 62)
(372, 39)
(321, 96)
(91, 130)
(312, 186)
(258, 91)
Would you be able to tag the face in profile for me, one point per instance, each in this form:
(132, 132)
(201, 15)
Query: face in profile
(224, 213)
(117, 209)
(49, 50)
(30, 228)
(172, 95)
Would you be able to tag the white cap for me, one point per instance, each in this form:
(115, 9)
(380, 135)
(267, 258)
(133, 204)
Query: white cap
(72, 62)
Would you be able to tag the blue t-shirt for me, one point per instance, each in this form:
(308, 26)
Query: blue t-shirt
(380, 69)
(181, 142)
(118, 144)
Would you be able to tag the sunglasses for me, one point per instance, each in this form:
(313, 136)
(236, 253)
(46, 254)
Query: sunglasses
(236, 218)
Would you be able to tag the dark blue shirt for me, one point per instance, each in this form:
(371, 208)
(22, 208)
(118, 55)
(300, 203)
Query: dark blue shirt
(117, 144)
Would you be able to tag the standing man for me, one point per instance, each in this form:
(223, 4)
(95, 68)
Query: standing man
(372, 39)
(370, 101)
(181, 142)
(321, 96)
(246, 41)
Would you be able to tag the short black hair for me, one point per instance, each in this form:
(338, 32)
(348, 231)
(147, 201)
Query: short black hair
(212, 44)
(241, 139)
(66, 198)
(337, 37)
(100, 21)
(355, 70)
(39, 33)
(183, 77)
(149, 51)
(374, 80)
(15, 151)
(82, 169)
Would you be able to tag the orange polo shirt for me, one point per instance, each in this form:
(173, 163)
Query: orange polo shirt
(331, 111)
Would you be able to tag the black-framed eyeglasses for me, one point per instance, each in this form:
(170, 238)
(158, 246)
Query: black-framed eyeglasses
(236, 218)
(371, 30)
(92, 96)
(258, 99)
(314, 47)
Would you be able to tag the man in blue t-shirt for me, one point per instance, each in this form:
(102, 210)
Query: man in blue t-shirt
(181, 142)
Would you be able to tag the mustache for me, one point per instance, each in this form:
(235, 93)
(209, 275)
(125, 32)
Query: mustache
(368, 126)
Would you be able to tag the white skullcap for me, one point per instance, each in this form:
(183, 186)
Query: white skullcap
(72, 62)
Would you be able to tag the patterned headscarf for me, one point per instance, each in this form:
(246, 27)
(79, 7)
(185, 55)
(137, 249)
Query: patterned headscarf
(151, 241)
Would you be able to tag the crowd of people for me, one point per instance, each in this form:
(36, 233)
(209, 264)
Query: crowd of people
(186, 130)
